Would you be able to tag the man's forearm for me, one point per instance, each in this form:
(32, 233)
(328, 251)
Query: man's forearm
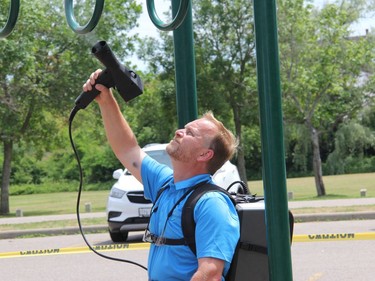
(120, 136)
(119, 133)
(208, 269)
(201, 275)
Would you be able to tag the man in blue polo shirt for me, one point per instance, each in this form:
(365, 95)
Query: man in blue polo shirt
(197, 151)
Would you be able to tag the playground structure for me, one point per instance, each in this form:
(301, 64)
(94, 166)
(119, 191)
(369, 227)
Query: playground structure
(274, 175)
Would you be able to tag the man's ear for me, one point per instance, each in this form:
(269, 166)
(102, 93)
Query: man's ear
(206, 155)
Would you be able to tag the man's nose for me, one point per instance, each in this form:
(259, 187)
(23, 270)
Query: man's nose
(180, 133)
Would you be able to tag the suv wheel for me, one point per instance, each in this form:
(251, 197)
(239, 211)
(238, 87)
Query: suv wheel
(118, 236)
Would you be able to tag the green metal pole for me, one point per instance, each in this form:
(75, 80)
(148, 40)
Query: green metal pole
(274, 176)
(185, 68)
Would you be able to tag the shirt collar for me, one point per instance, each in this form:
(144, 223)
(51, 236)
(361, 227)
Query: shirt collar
(191, 181)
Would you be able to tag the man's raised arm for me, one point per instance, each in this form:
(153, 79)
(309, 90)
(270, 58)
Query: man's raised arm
(119, 134)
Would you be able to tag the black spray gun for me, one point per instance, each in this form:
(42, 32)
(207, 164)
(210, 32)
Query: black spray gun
(116, 75)
(129, 85)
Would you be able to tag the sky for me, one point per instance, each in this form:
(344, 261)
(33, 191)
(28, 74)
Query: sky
(359, 28)
(147, 28)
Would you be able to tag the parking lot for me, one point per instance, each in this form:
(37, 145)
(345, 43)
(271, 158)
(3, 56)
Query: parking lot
(326, 259)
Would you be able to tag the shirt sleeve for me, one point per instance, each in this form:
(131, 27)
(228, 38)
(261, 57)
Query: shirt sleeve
(217, 227)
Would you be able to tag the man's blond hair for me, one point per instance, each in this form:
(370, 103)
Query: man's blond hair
(224, 144)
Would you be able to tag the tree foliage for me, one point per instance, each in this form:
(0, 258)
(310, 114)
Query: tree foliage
(225, 47)
(42, 68)
(327, 85)
(321, 66)
(354, 145)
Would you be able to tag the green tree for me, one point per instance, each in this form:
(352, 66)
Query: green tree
(161, 92)
(321, 66)
(225, 47)
(151, 117)
(42, 68)
(355, 143)
(352, 140)
(225, 67)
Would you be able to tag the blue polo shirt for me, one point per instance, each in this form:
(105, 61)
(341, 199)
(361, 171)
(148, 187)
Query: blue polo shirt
(214, 238)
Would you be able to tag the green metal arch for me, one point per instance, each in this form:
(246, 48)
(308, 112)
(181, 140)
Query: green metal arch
(91, 24)
(177, 20)
(12, 18)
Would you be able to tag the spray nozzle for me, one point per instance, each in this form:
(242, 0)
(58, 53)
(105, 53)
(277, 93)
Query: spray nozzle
(127, 82)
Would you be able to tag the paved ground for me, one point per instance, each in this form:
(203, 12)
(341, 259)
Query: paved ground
(18, 220)
(331, 203)
(334, 261)
(349, 260)
(292, 205)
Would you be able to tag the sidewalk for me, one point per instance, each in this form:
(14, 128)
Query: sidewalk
(331, 203)
(292, 205)
(334, 216)
(19, 220)
(11, 234)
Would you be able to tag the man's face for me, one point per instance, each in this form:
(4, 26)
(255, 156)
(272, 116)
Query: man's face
(193, 140)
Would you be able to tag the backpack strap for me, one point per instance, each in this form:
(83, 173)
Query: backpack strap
(170, 241)
(187, 217)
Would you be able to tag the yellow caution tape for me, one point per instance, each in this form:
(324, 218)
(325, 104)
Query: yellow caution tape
(75, 250)
(325, 237)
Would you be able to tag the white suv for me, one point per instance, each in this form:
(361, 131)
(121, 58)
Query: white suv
(128, 210)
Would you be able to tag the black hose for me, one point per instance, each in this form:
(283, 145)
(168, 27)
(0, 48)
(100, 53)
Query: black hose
(243, 189)
(71, 117)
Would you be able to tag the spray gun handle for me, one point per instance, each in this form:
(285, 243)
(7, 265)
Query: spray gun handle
(85, 98)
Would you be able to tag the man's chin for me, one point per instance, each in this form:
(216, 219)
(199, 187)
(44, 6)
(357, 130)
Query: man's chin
(169, 147)
(172, 149)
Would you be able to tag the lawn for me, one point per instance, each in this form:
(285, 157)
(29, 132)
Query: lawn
(342, 186)
(57, 203)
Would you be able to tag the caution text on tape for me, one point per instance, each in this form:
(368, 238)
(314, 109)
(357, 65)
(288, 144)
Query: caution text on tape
(75, 250)
(325, 237)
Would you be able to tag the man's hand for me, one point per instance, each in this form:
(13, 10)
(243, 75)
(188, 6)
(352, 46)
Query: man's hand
(91, 82)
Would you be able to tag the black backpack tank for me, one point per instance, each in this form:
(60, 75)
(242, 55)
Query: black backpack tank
(250, 260)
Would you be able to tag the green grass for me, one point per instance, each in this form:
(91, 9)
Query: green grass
(336, 209)
(53, 187)
(57, 203)
(343, 186)
(53, 224)
(340, 186)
